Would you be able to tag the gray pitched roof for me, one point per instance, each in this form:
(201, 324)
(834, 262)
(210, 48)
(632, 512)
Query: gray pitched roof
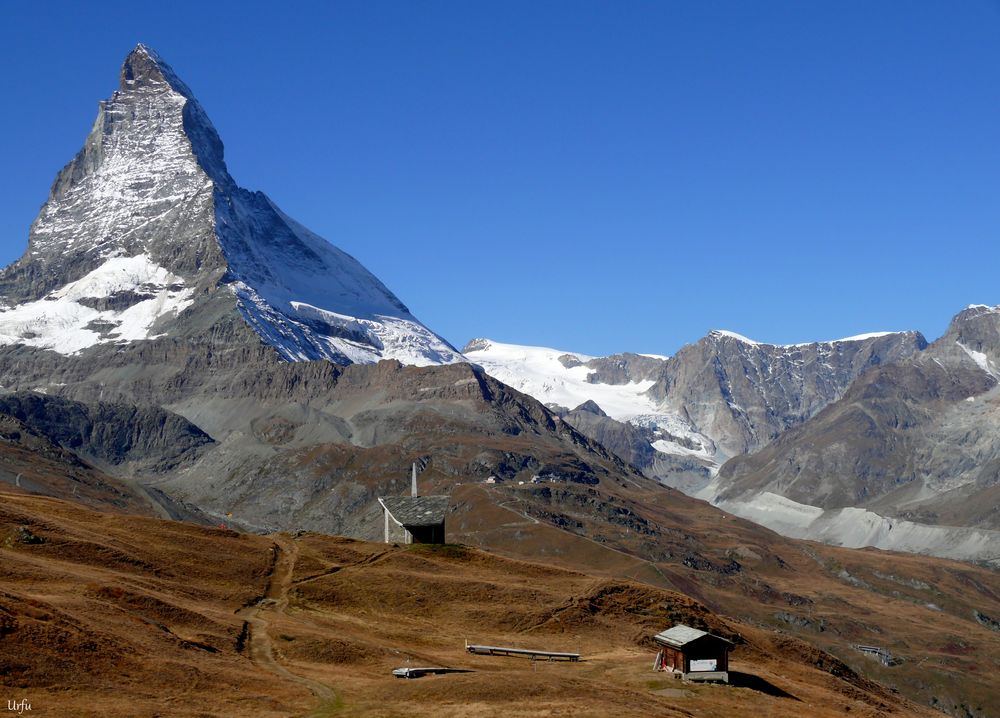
(681, 635)
(416, 510)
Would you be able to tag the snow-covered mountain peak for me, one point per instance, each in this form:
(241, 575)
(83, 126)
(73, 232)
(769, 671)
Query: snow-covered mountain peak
(975, 310)
(151, 182)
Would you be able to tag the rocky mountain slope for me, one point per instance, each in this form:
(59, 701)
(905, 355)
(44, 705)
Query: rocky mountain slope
(723, 396)
(32, 463)
(910, 451)
(148, 325)
(145, 234)
(870, 441)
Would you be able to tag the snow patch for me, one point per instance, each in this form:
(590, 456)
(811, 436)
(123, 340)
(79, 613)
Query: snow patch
(538, 371)
(732, 335)
(60, 322)
(981, 360)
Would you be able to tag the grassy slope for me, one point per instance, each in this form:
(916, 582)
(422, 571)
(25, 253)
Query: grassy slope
(106, 614)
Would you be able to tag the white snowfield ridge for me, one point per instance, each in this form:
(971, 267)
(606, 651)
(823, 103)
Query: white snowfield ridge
(61, 323)
(538, 372)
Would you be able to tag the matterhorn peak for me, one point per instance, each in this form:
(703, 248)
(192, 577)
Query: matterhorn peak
(145, 235)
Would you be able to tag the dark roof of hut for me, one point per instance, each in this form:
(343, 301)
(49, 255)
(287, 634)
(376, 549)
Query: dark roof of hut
(681, 635)
(416, 510)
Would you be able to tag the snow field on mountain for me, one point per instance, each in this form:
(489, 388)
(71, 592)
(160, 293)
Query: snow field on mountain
(311, 300)
(60, 322)
(537, 371)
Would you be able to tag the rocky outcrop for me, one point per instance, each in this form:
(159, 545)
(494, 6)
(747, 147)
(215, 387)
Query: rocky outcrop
(632, 443)
(146, 439)
(744, 394)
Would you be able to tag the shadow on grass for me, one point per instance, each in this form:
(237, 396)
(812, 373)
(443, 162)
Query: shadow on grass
(756, 683)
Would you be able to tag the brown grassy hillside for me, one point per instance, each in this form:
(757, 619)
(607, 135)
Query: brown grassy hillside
(105, 614)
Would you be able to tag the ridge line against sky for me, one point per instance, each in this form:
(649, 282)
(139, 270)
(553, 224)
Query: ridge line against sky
(595, 177)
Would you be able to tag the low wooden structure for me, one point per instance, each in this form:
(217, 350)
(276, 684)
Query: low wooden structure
(421, 671)
(526, 652)
(880, 654)
(696, 654)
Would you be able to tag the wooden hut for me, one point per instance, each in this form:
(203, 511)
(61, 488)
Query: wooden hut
(696, 654)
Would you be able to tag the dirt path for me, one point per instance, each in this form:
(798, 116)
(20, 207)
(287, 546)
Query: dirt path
(275, 601)
(367, 561)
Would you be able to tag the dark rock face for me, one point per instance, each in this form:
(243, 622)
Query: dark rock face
(114, 434)
(632, 443)
(744, 394)
(623, 368)
(917, 439)
(31, 462)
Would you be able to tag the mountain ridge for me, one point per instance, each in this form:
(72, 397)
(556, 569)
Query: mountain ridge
(721, 396)
(911, 442)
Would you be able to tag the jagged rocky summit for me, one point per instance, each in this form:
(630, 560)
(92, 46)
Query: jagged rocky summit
(146, 224)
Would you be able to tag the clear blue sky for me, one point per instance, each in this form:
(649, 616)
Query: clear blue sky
(594, 176)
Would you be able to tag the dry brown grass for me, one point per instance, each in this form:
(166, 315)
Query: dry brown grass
(128, 616)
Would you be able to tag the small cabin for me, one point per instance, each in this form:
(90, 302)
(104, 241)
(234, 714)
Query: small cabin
(698, 655)
(414, 518)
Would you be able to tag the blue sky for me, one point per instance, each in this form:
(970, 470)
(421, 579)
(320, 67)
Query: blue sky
(593, 176)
